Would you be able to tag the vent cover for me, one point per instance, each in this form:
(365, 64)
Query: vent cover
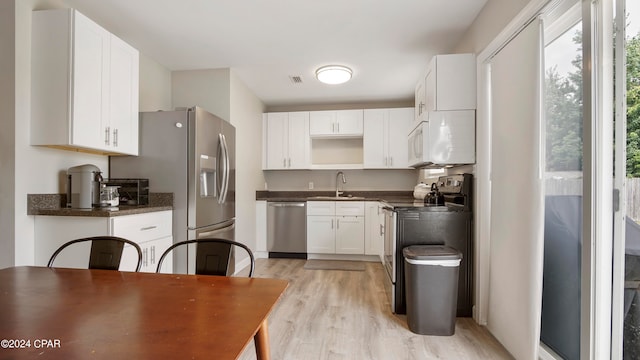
(296, 79)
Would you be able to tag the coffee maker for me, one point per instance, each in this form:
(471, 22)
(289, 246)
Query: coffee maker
(83, 186)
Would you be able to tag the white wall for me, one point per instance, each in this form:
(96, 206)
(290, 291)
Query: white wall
(246, 115)
(209, 89)
(7, 138)
(493, 17)
(155, 85)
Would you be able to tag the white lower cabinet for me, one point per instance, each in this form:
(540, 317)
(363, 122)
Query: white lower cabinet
(374, 229)
(261, 229)
(321, 237)
(151, 231)
(151, 252)
(350, 234)
(335, 227)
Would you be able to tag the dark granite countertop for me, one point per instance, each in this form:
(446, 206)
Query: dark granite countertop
(54, 205)
(326, 195)
(395, 199)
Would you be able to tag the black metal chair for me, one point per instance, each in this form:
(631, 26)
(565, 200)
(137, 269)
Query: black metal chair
(212, 255)
(106, 252)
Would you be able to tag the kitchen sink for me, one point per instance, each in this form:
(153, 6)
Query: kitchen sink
(332, 198)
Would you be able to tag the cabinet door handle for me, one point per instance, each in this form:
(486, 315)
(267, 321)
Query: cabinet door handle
(115, 137)
(337, 223)
(145, 258)
(338, 124)
(289, 162)
(107, 134)
(332, 223)
(390, 161)
(381, 229)
(148, 228)
(284, 162)
(153, 255)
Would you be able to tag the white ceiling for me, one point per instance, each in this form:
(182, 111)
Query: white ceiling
(386, 43)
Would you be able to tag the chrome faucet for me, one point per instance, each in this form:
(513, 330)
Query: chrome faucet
(344, 181)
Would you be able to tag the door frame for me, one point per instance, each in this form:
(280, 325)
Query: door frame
(620, 188)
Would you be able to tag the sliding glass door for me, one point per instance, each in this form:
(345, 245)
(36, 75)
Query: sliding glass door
(564, 167)
(563, 181)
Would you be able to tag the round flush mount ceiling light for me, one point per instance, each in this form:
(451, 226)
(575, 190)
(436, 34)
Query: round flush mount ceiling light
(333, 74)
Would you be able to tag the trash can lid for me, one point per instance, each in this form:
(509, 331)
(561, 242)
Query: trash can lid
(431, 252)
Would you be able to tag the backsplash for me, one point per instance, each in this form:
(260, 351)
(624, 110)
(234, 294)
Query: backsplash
(323, 180)
(429, 176)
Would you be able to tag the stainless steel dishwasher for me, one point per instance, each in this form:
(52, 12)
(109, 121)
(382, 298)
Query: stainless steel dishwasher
(287, 229)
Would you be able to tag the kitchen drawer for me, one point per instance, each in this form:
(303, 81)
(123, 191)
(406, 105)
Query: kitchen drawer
(353, 208)
(142, 227)
(321, 208)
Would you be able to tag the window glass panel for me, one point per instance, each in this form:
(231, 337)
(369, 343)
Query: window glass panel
(631, 307)
(560, 327)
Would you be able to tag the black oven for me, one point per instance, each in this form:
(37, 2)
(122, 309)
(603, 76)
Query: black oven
(449, 224)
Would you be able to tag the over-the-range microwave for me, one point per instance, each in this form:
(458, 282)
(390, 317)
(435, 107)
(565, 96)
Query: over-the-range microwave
(445, 138)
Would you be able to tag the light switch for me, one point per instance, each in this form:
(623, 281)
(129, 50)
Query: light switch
(310, 185)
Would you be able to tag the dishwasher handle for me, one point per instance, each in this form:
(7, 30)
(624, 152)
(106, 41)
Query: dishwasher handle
(287, 204)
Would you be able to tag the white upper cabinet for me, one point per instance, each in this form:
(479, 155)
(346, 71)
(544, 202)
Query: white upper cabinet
(449, 84)
(123, 99)
(286, 141)
(336, 123)
(385, 138)
(84, 85)
(336, 139)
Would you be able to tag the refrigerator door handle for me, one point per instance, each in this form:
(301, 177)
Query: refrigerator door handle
(219, 180)
(224, 188)
(214, 233)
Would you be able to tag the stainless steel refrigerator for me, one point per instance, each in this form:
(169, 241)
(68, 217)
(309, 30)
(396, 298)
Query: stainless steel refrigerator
(190, 153)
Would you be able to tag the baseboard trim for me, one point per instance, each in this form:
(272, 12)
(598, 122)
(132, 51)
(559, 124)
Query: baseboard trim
(545, 353)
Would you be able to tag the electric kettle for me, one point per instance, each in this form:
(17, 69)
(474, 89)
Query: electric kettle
(434, 196)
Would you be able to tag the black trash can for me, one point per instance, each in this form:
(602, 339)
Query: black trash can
(431, 279)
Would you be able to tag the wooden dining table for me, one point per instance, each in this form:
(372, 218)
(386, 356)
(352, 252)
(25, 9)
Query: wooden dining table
(57, 313)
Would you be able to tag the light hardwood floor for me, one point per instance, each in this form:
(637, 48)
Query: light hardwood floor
(331, 314)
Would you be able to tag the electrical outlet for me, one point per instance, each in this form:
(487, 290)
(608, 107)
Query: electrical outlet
(310, 185)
